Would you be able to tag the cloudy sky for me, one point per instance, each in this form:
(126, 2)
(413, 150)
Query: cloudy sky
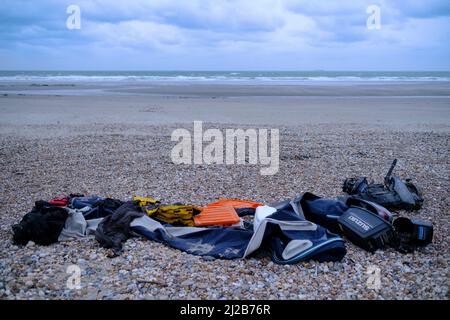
(225, 35)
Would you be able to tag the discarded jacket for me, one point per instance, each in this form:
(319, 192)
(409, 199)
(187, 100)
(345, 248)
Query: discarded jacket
(76, 226)
(114, 229)
(393, 194)
(288, 237)
(42, 225)
(84, 201)
(108, 204)
(99, 207)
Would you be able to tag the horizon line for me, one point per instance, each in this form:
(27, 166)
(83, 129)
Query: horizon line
(210, 70)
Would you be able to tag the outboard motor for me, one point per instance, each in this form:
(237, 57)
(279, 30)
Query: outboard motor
(393, 194)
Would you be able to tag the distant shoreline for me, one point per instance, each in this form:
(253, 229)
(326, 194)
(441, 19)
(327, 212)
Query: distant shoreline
(216, 89)
(233, 77)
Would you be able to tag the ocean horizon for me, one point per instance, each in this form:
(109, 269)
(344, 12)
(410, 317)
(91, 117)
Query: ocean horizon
(223, 76)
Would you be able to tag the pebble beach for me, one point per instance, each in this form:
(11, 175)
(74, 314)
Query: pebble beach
(125, 151)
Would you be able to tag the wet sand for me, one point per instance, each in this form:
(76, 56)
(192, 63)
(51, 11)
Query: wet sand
(416, 106)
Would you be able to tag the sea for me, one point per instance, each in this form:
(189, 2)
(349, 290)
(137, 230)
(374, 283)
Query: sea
(223, 76)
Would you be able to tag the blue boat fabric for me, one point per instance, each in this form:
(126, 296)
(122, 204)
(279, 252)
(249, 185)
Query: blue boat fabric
(287, 236)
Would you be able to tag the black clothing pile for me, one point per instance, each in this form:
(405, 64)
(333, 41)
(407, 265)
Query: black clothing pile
(42, 224)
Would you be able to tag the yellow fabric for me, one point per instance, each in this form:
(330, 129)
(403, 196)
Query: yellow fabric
(145, 201)
(182, 214)
(148, 204)
(176, 214)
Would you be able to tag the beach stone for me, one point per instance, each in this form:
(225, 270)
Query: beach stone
(30, 244)
(54, 287)
(188, 282)
(442, 262)
(208, 258)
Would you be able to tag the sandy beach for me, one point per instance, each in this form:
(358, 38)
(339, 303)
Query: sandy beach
(404, 106)
(113, 139)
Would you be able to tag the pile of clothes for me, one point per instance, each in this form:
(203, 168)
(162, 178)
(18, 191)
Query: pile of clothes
(209, 231)
(308, 227)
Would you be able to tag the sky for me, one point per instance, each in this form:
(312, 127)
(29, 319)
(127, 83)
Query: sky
(225, 35)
